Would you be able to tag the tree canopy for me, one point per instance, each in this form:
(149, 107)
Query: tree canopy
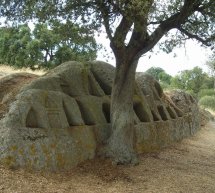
(211, 64)
(47, 45)
(159, 74)
(148, 20)
(192, 80)
(133, 28)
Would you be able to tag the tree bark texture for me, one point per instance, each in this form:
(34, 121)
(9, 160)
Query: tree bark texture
(121, 142)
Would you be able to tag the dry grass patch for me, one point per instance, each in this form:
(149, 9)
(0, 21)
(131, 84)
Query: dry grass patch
(5, 70)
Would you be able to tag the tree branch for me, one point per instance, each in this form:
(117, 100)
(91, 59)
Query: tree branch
(117, 7)
(120, 34)
(105, 15)
(193, 36)
(139, 33)
(154, 22)
(189, 7)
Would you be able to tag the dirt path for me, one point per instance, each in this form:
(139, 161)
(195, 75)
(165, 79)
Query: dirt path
(187, 167)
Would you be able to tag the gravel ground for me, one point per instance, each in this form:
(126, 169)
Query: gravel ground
(186, 167)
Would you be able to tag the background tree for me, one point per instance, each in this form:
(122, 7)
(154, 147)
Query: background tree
(47, 46)
(159, 74)
(165, 78)
(14, 46)
(146, 22)
(47, 42)
(191, 80)
(62, 42)
(155, 71)
(211, 65)
(208, 82)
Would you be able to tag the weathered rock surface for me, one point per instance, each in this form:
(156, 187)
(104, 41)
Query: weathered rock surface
(62, 118)
(10, 86)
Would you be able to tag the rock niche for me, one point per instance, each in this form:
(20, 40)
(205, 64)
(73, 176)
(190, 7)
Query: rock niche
(58, 120)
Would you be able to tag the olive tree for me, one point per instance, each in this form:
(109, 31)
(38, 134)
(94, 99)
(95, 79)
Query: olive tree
(133, 28)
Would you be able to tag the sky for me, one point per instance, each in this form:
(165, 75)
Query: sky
(180, 59)
(186, 57)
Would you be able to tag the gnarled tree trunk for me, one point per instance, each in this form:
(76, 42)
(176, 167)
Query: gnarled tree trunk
(121, 142)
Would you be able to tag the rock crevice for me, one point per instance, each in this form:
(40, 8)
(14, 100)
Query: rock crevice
(62, 118)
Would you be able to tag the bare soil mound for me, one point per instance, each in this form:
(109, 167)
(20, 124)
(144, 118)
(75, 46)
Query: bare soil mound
(187, 167)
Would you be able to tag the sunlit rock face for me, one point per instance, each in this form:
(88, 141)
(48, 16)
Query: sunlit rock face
(60, 119)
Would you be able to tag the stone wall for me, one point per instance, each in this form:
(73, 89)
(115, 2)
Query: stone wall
(62, 118)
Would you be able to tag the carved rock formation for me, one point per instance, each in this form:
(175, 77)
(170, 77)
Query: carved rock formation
(63, 118)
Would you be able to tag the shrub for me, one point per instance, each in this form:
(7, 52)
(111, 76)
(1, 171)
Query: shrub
(208, 102)
(192, 93)
(165, 86)
(206, 92)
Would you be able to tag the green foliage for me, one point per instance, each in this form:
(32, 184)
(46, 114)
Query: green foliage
(208, 82)
(165, 78)
(191, 92)
(160, 75)
(207, 102)
(145, 22)
(47, 46)
(165, 86)
(194, 80)
(155, 71)
(211, 64)
(13, 45)
(206, 92)
(178, 82)
(192, 19)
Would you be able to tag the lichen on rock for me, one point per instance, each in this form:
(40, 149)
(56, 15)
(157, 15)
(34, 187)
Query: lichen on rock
(63, 118)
